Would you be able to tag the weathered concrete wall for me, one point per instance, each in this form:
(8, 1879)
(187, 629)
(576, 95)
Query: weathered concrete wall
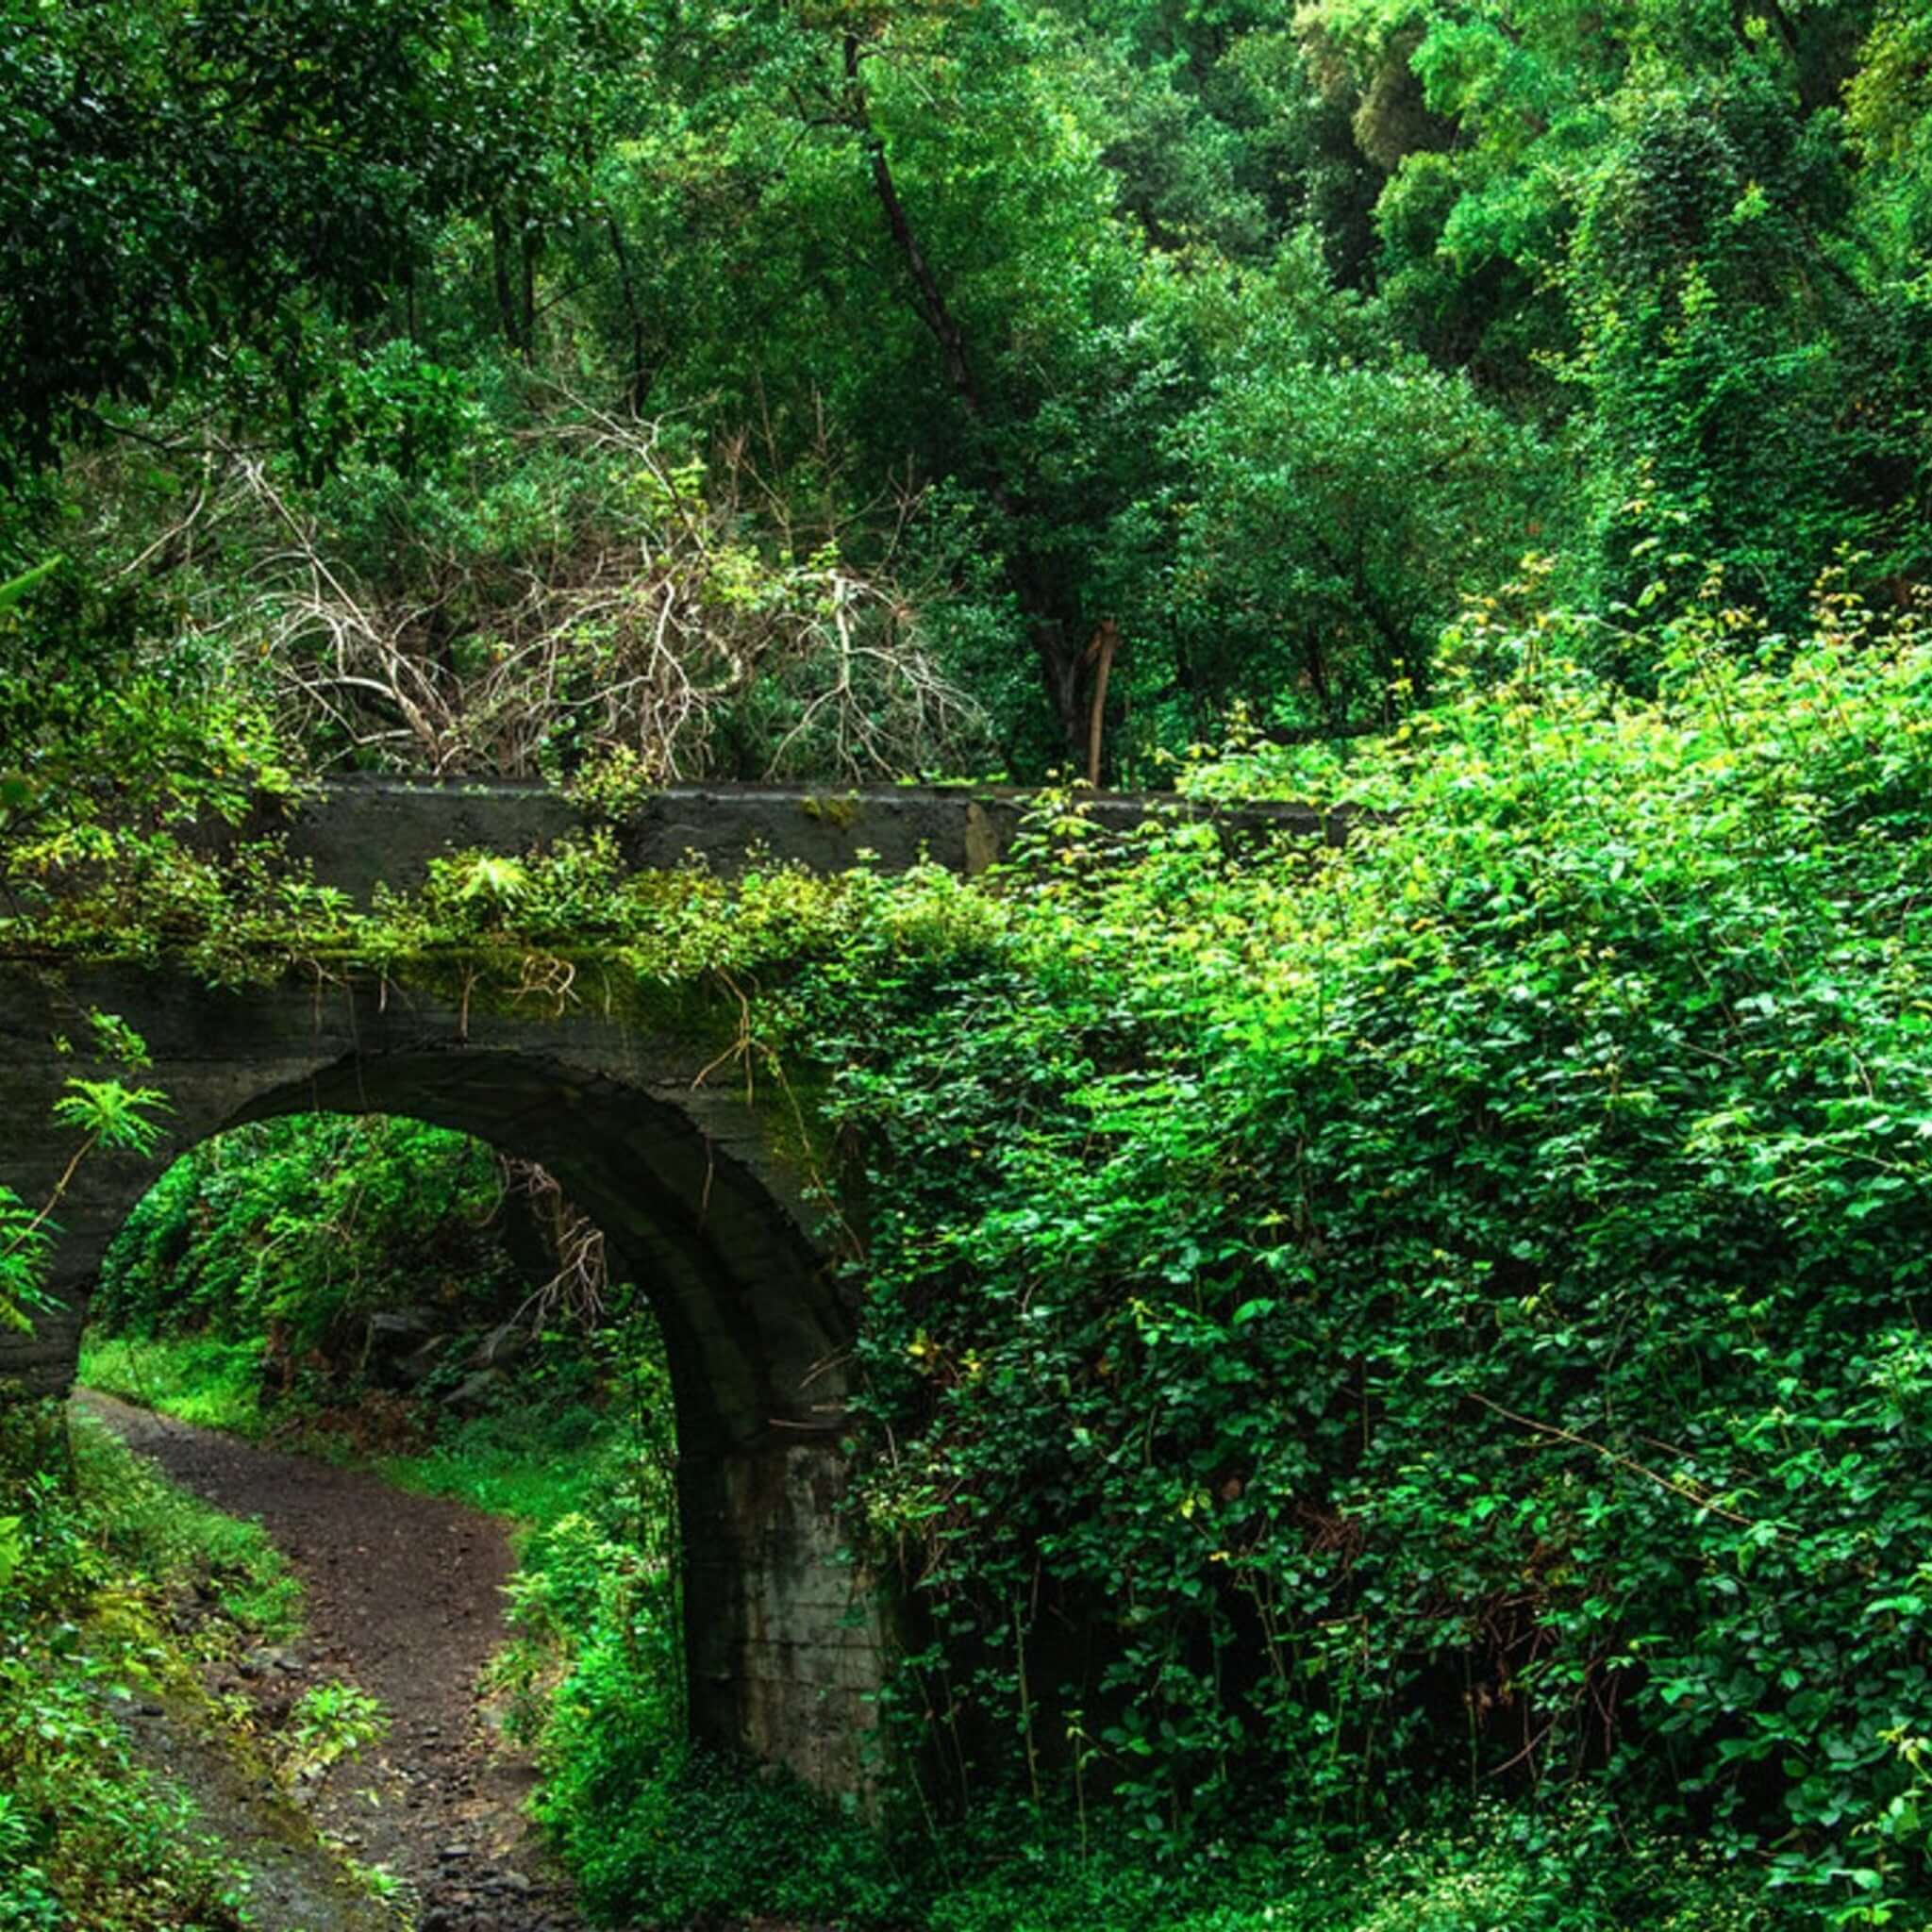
(386, 828)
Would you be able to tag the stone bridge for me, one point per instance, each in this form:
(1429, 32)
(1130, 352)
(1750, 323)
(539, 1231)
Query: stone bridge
(698, 1190)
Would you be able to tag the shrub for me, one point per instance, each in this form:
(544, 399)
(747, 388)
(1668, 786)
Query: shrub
(1447, 1310)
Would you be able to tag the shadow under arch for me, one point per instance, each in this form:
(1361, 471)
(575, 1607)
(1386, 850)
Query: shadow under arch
(699, 1206)
(753, 1332)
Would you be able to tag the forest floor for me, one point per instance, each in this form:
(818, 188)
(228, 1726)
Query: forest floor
(402, 1597)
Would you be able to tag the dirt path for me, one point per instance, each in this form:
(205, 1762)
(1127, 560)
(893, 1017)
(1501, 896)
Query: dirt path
(402, 1596)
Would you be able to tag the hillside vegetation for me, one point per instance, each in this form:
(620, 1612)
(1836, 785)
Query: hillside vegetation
(1392, 1380)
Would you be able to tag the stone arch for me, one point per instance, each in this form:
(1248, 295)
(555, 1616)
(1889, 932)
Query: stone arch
(702, 1195)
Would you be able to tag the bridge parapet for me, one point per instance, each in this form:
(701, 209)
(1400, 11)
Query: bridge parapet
(368, 829)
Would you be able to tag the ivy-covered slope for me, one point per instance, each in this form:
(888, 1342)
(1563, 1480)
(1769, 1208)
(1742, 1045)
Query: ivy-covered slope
(1447, 1314)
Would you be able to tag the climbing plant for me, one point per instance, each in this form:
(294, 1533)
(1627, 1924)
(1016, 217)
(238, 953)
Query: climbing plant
(1444, 1311)
(1360, 1324)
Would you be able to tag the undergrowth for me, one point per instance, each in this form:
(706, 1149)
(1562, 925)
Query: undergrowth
(543, 1453)
(91, 1556)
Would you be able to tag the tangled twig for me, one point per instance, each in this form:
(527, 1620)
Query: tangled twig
(671, 615)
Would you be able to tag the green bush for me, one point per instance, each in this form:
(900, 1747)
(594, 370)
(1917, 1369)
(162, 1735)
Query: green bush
(1445, 1309)
(90, 1838)
(1482, 1867)
(663, 1836)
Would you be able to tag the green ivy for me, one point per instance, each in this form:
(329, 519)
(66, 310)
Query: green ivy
(1345, 1327)
(1445, 1311)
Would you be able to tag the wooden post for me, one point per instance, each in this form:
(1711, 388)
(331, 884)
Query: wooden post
(1104, 641)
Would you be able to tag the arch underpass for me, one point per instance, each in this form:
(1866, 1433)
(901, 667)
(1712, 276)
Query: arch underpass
(697, 1200)
(700, 1192)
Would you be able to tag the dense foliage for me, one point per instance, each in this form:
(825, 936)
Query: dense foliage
(580, 1452)
(1447, 1311)
(911, 386)
(298, 1226)
(1421, 1336)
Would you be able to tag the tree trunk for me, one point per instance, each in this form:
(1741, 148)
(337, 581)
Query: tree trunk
(1051, 626)
(637, 382)
(532, 247)
(499, 261)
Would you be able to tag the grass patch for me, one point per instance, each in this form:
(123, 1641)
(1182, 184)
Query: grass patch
(98, 1553)
(533, 1461)
(195, 1378)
